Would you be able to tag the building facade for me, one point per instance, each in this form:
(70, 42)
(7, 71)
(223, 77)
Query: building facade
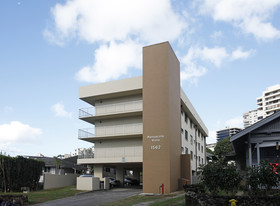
(268, 104)
(144, 127)
(228, 132)
(251, 117)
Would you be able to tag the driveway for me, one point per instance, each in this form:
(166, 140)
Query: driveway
(94, 198)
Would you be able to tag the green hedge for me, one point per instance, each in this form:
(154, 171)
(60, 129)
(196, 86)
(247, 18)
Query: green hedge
(17, 172)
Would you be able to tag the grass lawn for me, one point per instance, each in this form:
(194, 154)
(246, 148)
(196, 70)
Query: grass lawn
(51, 194)
(157, 200)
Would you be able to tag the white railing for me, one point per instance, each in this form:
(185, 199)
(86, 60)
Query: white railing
(86, 112)
(125, 129)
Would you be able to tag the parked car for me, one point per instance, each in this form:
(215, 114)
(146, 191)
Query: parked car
(130, 181)
(113, 182)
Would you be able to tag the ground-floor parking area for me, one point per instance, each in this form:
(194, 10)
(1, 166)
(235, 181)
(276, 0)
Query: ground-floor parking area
(95, 198)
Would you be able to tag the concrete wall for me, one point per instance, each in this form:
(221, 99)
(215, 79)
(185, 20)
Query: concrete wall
(161, 118)
(120, 150)
(88, 183)
(56, 181)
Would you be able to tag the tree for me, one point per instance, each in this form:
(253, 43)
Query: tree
(223, 147)
(219, 175)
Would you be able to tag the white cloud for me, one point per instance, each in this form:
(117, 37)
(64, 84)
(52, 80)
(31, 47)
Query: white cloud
(111, 62)
(235, 122)
(8, 109)
(110, 20)
(193, 62)
(60, 111)
(240, 54)
(192, 72)
(119, 27)
(212, 138)
(18, 132)
(217, 35)
(252, 16)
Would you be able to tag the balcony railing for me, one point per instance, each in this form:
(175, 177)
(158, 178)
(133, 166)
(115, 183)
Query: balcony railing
(125, 129)
(86, 112)
(111, 109)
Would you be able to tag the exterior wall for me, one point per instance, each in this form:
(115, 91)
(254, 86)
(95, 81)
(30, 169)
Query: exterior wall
(88, 183)
(56, 181)
(161, 118)
(118, 105)
(121, 150)
(119, 126)
(193, 143)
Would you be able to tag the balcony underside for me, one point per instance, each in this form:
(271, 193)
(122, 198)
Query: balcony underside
(92, 99)
(93, 119)
(110, 137)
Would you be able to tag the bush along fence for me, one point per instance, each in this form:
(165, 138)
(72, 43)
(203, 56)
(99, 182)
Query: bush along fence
(18, 172)
(261, 183)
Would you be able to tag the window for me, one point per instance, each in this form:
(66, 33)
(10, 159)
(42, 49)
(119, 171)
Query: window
(198, 133)
(201, 160)
(186, 135)
(191, 155)
(191, 139)
(186, 150)
(191, 124)
(198, 146)
(201, 148)
(182, 150)
(186, 118)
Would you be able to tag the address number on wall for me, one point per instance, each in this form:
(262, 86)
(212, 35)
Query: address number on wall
(153, 147)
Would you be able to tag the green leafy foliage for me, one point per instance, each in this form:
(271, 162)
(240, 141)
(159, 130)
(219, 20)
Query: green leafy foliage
(17, 172)
(262, 176)
(218, 175)
(223, 147)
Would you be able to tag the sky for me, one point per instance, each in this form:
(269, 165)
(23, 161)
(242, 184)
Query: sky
(229, 53)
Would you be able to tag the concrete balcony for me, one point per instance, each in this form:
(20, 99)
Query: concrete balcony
(126, 109)
(111, 132)
(111, 160)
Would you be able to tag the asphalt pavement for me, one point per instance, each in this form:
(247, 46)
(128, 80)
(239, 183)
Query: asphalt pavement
(94, 198)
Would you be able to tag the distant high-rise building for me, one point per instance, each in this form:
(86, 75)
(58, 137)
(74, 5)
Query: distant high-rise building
(228, 132)
(252, 117)
(268, 103)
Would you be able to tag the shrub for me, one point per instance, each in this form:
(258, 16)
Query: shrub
(219, 175)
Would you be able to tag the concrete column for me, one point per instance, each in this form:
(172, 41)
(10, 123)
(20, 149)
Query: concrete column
(98, 171)
(119, 173)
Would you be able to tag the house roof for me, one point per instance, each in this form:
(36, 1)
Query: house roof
(255, 126)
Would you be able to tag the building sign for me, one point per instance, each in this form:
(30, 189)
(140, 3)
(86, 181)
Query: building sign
(155, 140)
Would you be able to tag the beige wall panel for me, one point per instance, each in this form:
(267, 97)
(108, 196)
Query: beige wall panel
(161, 118)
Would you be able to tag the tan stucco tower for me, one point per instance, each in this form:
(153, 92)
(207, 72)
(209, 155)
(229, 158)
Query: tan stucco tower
(161, 118)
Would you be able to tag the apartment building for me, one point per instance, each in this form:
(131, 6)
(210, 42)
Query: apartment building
(251, 117)
(144, 127)
(228, 132)
(268, 104)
